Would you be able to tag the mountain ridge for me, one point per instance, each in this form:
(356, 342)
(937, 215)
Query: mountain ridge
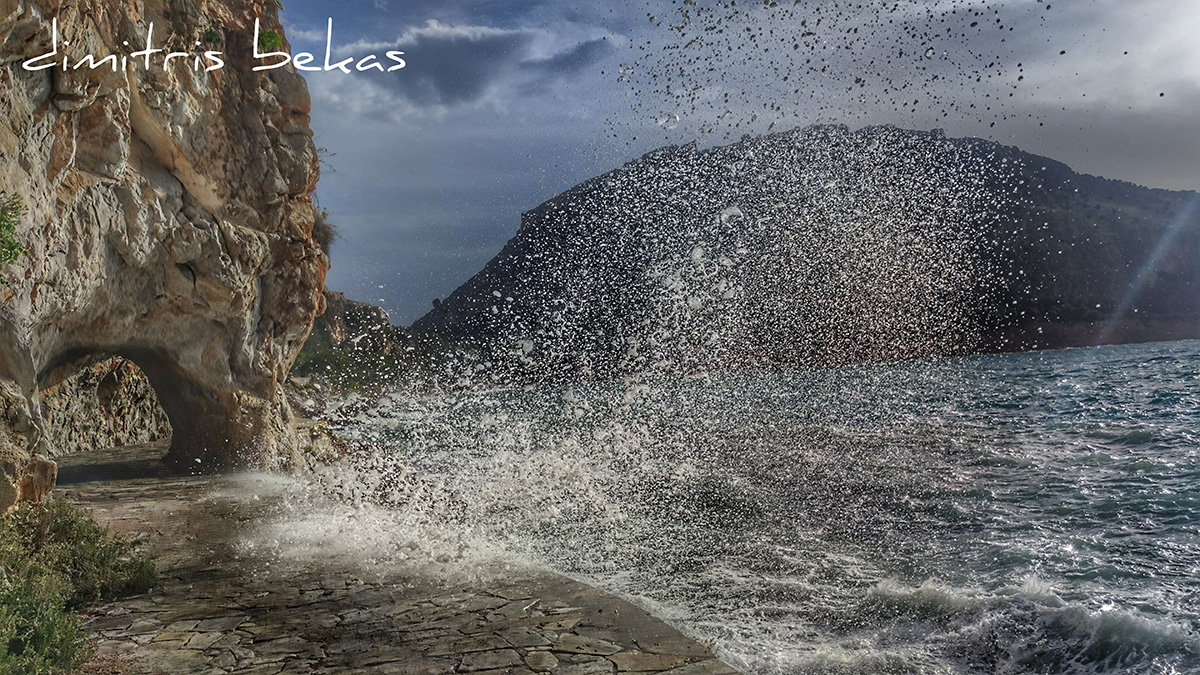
(802, 247)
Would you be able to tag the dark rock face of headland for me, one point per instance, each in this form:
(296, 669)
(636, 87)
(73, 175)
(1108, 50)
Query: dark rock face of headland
(354, 345)
(168, 222)
(826, 245)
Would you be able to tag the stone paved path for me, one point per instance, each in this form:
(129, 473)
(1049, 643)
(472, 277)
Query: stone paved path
(216, 612)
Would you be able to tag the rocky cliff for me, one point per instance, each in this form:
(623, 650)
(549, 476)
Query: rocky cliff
(826, 245)
(168, 222)
(107, 404)
(355, 346)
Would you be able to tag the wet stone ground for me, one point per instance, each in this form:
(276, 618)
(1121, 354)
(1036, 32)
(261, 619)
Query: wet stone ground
(219, 610)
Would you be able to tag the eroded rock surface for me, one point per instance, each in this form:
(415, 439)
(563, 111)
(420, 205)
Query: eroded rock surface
(108, 403)
(169, 222)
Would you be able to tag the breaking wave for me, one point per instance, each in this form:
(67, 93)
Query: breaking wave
(915, 518)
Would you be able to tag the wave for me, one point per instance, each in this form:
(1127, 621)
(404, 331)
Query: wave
(772, 517)
(1029, 628)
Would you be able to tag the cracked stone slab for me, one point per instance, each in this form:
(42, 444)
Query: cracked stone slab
(222, 611)
(641, 662)
(541, 661)
(708, 667)
(579, 644)
(493, 660)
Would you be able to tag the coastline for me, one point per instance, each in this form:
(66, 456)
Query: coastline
(220, 609)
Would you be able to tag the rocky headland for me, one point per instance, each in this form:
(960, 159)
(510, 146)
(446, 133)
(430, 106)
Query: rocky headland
(826, 245)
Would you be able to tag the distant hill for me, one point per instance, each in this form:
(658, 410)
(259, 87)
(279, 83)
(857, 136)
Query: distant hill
(826, 245)
(355, 346)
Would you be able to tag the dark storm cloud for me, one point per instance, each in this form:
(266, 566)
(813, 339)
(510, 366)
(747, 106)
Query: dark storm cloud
(448, 65)
(545, 74)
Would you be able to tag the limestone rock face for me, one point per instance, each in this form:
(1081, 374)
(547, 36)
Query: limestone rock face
(38, 480)
(169, 222)
(109, 403)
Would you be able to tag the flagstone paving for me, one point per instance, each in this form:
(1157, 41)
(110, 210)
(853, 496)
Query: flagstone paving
(220, 610)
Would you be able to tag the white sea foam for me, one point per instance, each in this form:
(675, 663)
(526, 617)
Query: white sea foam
(886, 520)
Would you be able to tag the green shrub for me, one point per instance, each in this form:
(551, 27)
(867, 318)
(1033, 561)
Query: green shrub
(211, 37)
(55, 560)
(269, 40)
(67, 540)
(324, 233)
(11, 212)
(37, 633)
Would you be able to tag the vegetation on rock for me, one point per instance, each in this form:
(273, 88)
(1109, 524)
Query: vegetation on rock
(269, 40)
(11, 212)
(324, 232)
(56, 560)
(354, 346)
(211, 36)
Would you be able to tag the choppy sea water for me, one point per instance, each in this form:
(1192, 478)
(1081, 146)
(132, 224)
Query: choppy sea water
(1028, 513)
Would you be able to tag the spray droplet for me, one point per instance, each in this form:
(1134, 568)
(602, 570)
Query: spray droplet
(731, 213)
(668, 121)
(930, 52)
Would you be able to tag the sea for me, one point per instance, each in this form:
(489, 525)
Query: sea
(1017, 513)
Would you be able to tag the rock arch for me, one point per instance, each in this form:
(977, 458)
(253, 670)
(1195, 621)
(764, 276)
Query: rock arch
(106, 402)
(89, 399)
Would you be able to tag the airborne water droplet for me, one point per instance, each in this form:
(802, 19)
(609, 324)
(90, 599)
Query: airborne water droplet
(930, 52)
(668, 121)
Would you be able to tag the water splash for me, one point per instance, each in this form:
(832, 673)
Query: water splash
(912, 517)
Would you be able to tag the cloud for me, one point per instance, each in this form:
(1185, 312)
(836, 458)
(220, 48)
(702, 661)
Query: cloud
(451, 65)
(571, 61)
(506, 103)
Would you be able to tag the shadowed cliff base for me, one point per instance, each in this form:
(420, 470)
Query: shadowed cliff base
(91, 404)
(227, 605)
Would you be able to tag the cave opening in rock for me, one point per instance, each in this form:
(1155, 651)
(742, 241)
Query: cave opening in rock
(98, 401)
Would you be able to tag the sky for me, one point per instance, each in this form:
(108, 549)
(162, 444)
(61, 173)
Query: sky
(503, 104)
